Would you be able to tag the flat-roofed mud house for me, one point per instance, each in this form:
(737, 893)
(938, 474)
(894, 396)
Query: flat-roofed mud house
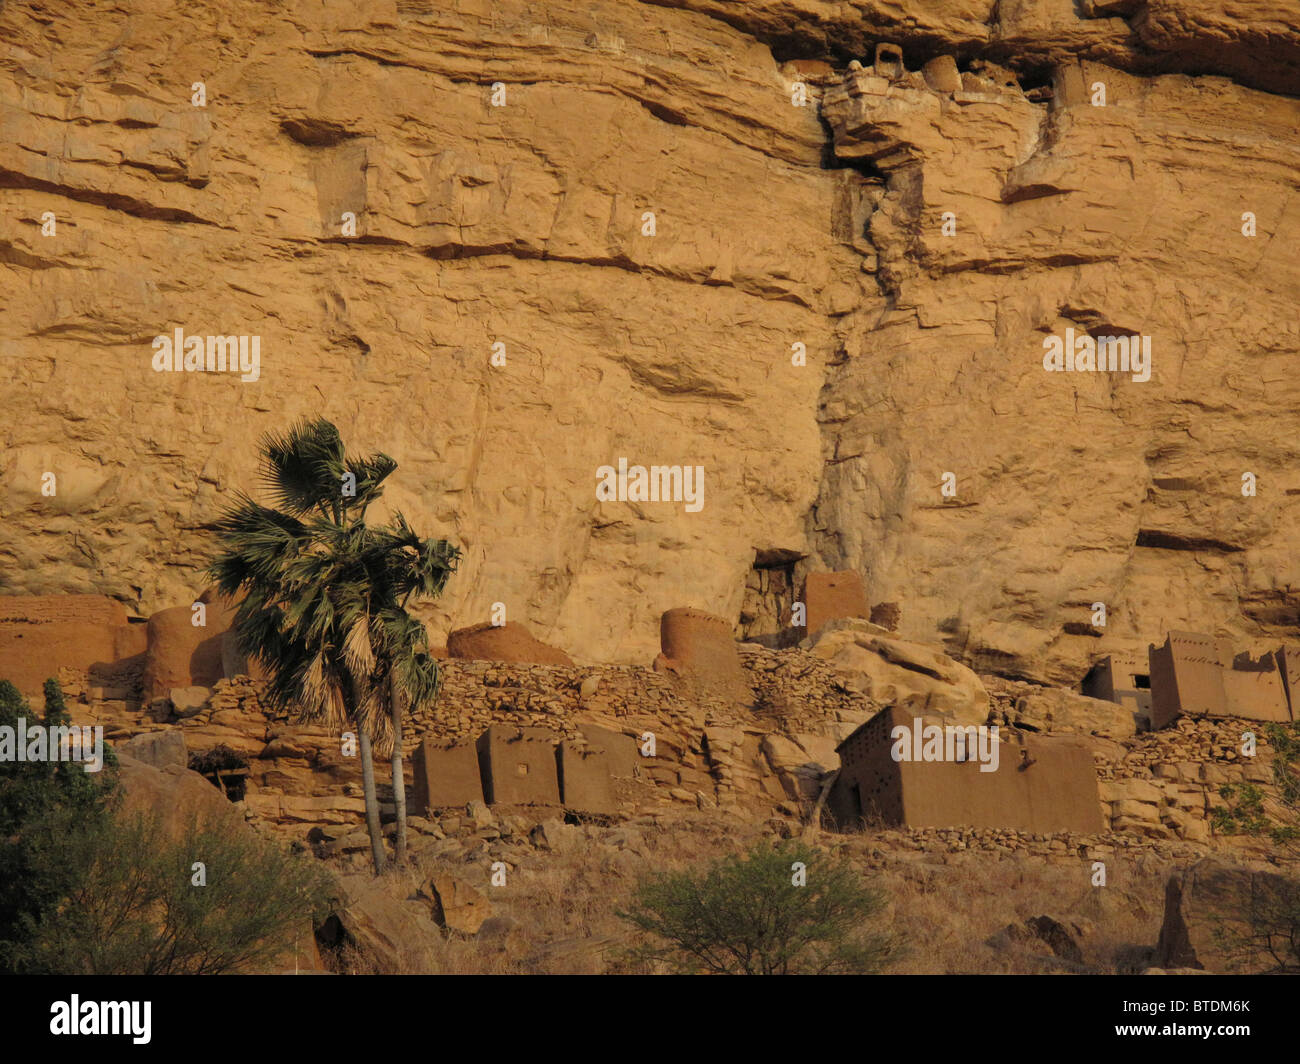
(526, 767)
(1042, 784)
(1124, 679)
(1200, 676)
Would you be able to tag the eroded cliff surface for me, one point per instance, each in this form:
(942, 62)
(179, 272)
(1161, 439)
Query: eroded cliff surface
(526, 224)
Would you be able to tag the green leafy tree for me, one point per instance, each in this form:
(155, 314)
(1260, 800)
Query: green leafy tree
(130, 906)
(1266, 927)
(41, 801)
(28, 788)
(744, 915)
(1245, 811)
(325, 594)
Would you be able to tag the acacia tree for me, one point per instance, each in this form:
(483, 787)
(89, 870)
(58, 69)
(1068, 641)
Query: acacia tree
(745, 914)
(324, 597)
(1264, 927)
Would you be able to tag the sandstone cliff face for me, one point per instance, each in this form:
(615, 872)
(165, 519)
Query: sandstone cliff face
(1070, 488)
(774, 225)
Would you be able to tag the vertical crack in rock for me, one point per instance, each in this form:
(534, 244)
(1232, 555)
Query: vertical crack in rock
(1005, 203)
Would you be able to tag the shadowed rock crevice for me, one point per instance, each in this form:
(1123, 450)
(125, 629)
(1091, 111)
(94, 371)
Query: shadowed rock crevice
(316, 132)
(1175, 541)
(112, 201)
(1256, 44)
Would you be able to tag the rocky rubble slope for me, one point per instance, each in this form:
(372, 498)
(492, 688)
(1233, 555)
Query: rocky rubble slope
(768, 764)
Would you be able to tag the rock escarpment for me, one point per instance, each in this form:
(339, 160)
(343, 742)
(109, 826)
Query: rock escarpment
(350, 194)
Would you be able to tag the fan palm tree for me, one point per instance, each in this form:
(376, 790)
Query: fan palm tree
(324, 598)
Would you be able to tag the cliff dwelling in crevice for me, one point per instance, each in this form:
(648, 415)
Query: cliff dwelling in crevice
(770, 594)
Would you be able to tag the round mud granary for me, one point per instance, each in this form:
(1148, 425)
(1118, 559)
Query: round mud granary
(701, 649)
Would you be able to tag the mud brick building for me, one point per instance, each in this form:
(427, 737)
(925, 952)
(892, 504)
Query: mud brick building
(39, 633)
(1042, 784)
(830, 596)
(1200, 676)
(517, 766)
(445, 777)
(1121, 678)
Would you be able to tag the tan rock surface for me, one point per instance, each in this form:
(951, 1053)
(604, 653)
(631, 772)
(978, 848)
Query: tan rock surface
(173, 792)
(894, 672)
(457, 905)
(523, 224)
(1071, 488)
(382, 927)
(1214, 913)
(1053, 709)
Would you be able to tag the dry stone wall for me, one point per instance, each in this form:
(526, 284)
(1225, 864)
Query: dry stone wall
(1156, 789)
(1160, 784)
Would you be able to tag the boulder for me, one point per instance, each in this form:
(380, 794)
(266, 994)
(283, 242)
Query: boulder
(1129, 791)
(1044, 935)
(820, 749)
(1135, 811)
(479, 814)
(1055, 941)
(301, 958)
(349, 842)
(507, 642)
(158, 748)
(384, 929)
(554, 834)
(174, 792)
(189, 701)
(1061, 937)
(783, 753)
(1217, 914)
(892, 671)
(1057, 710)
(457, 906)
(179, 796)
(799, 774)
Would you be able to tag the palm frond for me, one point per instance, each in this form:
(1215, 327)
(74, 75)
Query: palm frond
(322, 595)
(303, 468)
(371, 472)
(358, 654)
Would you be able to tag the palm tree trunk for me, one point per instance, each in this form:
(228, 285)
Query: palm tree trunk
(372, 801)
(399, 776)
